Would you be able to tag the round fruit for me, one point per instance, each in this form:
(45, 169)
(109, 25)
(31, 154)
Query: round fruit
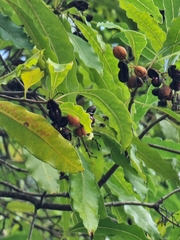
(174, 73)
(80, 131)
(73, 120)
(66, 133)
(152, 73)
(175, 85)
(165, 92)
(155, 91)
(156, 81)
(140, 71)
(134, 82)
(119, 52)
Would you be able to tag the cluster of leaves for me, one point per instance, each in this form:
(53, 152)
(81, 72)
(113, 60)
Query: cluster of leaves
(102, 184)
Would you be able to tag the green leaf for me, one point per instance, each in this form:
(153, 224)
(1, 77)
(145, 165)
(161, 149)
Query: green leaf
(14, 33)
(85, 195)
(130, 174)
(168, 111)
(146, 24)
(171, 11)
(33, 132)
(168, 145)
(34, 59)
(103, 51)
(58, 72)
(153, 160)
(46, 176)
(107, 227)
(149, 99)
(173, 39)
(123, 190)
(119, 117)
(136, 40)
(41, 41)
(48, 25)
(78, 111)
(86, 53)
(7, 77)
(148, 7)
(21, 207)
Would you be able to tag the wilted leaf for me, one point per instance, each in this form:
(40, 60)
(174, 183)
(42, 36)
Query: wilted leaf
(33, 132)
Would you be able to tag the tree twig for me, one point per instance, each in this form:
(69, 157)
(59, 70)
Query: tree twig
(141, 135)
(105, 177)
(164, 148)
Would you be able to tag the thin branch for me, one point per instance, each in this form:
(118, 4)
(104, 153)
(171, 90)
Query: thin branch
(105, 177)
(164, 148)
(141, 135)
(156, 206)
(12, 166)
(32, 224)
(35, 201)
(22, 99)
(133, 94)
(7, 184)
(169, 195)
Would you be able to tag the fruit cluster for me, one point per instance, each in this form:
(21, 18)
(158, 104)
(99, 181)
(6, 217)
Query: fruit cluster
(162, 91)
(60, 122)
(134, 81)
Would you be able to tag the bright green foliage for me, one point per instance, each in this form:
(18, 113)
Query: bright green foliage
(114, 173)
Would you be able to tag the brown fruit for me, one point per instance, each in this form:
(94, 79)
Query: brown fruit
(73, 120)
(80, 131)
(134, 82)
(165, 92)
(119, 52)
(140, 71)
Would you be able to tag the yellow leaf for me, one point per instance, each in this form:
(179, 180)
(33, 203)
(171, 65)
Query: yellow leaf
(31, 77)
